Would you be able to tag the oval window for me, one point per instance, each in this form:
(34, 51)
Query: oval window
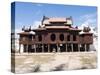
(61, 37)
(68, 38)
(53, 37)
(39, 37)
(74, 38)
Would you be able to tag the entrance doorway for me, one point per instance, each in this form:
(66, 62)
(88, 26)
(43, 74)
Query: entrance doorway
(53, 48)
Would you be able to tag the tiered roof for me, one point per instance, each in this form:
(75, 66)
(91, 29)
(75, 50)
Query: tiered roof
(56, 23)
(46, 20)
(52, 23)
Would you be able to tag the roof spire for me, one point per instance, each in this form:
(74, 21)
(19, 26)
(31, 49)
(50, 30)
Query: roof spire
(23, 28)
(44, 17)
(71, 19)
(86, 29)
(30, 28)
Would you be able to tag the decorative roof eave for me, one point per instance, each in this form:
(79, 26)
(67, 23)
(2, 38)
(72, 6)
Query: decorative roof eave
(39, 29)
(75, 29)
(58, 28)
(58, 21)
(25, 33)
(86, 33)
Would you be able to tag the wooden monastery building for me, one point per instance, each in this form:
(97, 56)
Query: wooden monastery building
(55, 35)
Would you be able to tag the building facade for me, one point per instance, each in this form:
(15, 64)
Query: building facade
(55, 35)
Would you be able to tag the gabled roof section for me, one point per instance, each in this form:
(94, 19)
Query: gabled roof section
(57, 20)
(65, 21)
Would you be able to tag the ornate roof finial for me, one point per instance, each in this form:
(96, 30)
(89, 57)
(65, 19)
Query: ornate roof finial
(86, 29)
(30, 28)
(76, 27)
(71, 19)
(44, 17)
(23, 28)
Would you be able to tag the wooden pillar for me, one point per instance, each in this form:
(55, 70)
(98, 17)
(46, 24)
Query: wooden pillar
(34, 48)
(43, 48)
(85, 47)
(66, 47)
(88, 47)
(72, 47)
(57, 48)
(27, 48)
(79, 47)
(19, 47)
(48, 48)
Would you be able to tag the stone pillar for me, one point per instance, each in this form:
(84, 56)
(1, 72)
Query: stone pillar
(72, 47)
